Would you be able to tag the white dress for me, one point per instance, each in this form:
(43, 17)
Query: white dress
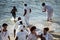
(5, 35)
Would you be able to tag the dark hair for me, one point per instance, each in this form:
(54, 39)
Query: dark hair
(19, 18)
(21, 22)
(43, 4)
(47, 29)
(4, 24)
(32, 28)
(25, 4)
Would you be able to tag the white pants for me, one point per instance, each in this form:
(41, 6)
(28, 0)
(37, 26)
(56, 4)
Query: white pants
(50, 15)
(27, 20)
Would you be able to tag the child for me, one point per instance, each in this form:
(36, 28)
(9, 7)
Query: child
(4, 33)
(46, 34)
(21, 35)
(14, 10)
(16, 25)
(27, 11)
(49, 10)
(32, 35)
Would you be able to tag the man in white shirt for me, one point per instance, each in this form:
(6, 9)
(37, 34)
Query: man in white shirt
(21, 35)
(17, 24)
(33, 35)
(46, 34)
(49, 10)
(5, 33)
(27, 11)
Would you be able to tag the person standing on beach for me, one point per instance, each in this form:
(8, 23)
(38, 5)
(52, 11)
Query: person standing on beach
(13, 11)
(21, 35)
(46, 34)
(49, 10)
(33, 35)
(27, 11)
(16, 25)
(4, 32)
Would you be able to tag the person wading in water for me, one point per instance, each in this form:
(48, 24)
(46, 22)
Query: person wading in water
(13, 12)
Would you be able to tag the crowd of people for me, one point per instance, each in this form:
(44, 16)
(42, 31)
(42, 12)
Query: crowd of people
(27, 32)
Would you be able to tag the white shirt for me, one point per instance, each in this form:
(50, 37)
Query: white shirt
(28, 11)
(48, 36)
(22, 35)
(17, 24)
(5, 35)
(32, 37)
(19, 28)
(48, 8)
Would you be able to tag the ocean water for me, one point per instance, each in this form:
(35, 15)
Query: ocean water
(37, 17)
